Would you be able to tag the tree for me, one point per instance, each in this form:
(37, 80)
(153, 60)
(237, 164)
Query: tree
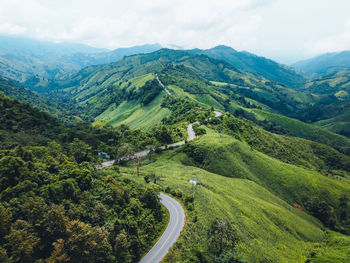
(12, 171)
(5, 219)
(121, 247)
(125, 150)
(87, 244)
(22, 243)
(80, 150)
(3, 256)
(222, 236)
(163, 135)
(58, 254)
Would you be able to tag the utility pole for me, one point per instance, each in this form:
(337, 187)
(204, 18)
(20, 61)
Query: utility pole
(138, 166)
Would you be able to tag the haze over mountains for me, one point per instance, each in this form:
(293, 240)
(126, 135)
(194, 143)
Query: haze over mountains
(324, 64)
(20, 58)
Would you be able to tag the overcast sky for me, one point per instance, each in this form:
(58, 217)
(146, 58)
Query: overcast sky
(285, 30)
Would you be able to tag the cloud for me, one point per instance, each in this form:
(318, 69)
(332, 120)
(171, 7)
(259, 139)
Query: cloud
(11, 29)
(108, 23)
(333, 43)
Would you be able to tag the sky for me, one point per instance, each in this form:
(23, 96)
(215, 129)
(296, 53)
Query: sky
(284, 30)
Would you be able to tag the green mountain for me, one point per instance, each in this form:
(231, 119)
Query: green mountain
(336, 83)
(264, 198)
(324, 64)
(126, 92)
(332, 114)
(272, 188)
(63, 109)
(260, 66)
(104, 88)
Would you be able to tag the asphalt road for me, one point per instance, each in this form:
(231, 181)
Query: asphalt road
(160, 83)
(171, 233)
(190, 131)
(191, 136)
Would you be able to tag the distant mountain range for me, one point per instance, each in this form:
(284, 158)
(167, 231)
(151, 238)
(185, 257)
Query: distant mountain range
(21, 58)
(324, 64)
(249, 62)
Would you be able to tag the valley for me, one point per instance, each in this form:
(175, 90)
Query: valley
(85, 152)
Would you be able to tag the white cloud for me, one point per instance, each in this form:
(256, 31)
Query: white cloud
(333, 43)
(11, 29)
(284, 30)
(107, 23)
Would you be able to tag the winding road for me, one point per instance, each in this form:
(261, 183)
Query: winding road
(176, 212)
(171, 233)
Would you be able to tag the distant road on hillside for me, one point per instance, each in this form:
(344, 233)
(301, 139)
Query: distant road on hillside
(160, 83)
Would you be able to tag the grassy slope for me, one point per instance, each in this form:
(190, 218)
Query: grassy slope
(135, 115)
(339, 124)
(334, 115)
(131, 112)
(230, 157)
(268, 227)
(304, 130)
(336, 249)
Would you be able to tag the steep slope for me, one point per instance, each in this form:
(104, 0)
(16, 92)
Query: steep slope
(63, 109)
(334, 113)
(304, 130)
(268, 228)
(291, 183)
(323, 64)
(261, 66)
(103, 88)
(51, 193)
(336, 83)
(22, 123)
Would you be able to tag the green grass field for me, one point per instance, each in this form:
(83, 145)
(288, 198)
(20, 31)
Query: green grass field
(270, 230)
(304, 130)
(133, 114)
(335, 249)
(258, 198)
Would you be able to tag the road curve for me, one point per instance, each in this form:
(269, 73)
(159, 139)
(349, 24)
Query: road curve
(171, 233)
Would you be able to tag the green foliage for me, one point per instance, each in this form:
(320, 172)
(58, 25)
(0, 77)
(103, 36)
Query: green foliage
(268, 228)
(336, 248)
(258, 65)
(55, 206)
(73, 213)
(222, 236)
(149, 91)
(287, 149)
(305, 130)
(316, 193)
(64, 110)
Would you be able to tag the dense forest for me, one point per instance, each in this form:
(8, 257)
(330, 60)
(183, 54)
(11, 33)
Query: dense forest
(55, 205)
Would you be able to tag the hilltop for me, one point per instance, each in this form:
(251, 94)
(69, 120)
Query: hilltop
(257, 65)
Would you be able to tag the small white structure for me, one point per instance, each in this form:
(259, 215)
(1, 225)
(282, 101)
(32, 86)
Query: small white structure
(193, 182)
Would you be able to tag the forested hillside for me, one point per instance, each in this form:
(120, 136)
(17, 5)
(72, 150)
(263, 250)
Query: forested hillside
(324, 64)
(55, 205)
(267, 156)
(257, 65)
